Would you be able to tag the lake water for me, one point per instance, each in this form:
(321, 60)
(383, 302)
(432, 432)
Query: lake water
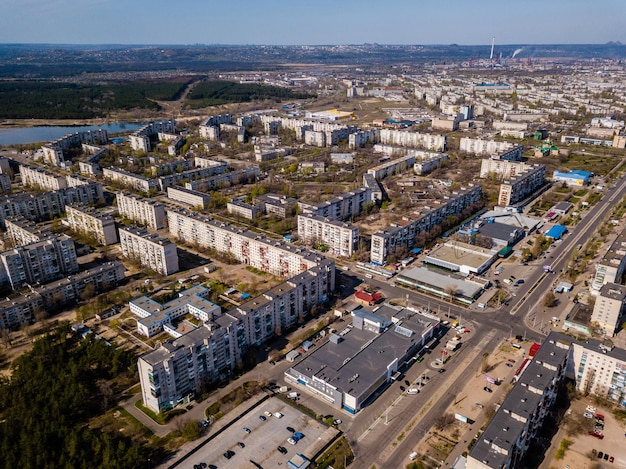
(18, 135)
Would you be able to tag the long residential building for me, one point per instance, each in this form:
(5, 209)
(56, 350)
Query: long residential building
(342, 207)
(188, 196)
(39, 262)
(256, 250)
(506, 150)
(403, 235)
(149, 250)
(210, 353)
(23, 231)
(145, 212)
(341, 238)
(130, 180)
(239, 176)
(405, 138)
(42, 179)
(93, 223)
(392, 167)
(53, 151)
(47, 205)
(610, 268)
(50, 297)
(608, 310)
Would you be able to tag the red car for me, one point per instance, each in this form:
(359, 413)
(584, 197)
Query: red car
(598, 435)
(511, 360)
(611, 459)
(599, 416)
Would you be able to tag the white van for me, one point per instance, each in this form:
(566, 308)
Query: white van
(369, 276)
(412, 391)
(413, 456)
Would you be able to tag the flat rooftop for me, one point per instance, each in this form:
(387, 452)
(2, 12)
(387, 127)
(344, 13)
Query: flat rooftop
(423, 276)
(458, 253)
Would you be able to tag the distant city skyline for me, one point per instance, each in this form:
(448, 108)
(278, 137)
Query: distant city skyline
(294, 22)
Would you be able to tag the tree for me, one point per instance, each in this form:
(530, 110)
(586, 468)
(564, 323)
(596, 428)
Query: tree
(451, 292)
(549, 300)
(191, 430)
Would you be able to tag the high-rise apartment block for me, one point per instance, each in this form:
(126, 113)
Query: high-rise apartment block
(149, 250)
(93, 223)
(146, 212)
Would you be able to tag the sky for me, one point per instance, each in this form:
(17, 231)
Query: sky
(300, 22)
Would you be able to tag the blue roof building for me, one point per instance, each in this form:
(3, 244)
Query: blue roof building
(577, 177)
(556, 232)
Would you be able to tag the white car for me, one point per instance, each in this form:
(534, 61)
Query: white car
(292, 441)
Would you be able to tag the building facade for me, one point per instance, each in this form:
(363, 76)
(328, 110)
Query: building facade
(144, 211)
(149, 250)
(608, 310)
(93, 223)
(341, 238)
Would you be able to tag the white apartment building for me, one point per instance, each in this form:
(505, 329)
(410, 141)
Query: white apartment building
(140, 139)
(243, 210)
(51, 296)
(342, 238)
(41, 179)
(405, 138)
(143, 211)
(154, 316)
(23, 231)
(478, 146)
(608, 309)
(93, 223)
(39, 262)
(150, 250)
(268, 255)
(178, 369)
(130, 180)
(53, 151)
(239, 176)
(210, 129)
(188, 196)
(362, 137)
(342, 207)
(610, 268)
(389, 168)
(403, 236)
(430, 164)
(276, 204)
(217, 166)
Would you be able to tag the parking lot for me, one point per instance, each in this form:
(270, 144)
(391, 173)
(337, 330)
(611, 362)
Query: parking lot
(261, 443)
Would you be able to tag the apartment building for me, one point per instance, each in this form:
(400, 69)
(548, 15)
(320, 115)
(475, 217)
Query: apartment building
(389, 168)
(600, 370)
(342, 207)
(268, 255)
(140, 139)
(403, 235)
(520, 186)
(210, 129)
(146, 212)
(130, 180)
(177, 370)
(610, 268)
(50, 297)
(505, 169)
(406, 138)
(608, 309)
(341, 238)
(189, 175)
(329, 132)
(239, 176)
(22, 231)
(92, 223)
(150, 250)
(53, 151)
(41, 179)
(505, 150)
(518, 420)
(243, 210)
(275, 204)
(428, 165)
(154, 316)
(46, 205)
(188, 196)
(217, 166)
(362, 137)
(39, 262)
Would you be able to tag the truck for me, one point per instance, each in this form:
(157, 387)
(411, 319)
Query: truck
(292, 395)
(453, 344)
(283, 389)
(413, 456)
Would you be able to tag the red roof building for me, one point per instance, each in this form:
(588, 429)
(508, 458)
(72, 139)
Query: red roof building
(367, 297)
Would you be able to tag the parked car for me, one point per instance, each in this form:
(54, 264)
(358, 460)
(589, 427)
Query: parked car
(600, 454)
(241, 444)
(606, 456)
(442, 370)
(247, 430)
(229, 454)
(611, 459)
(588, 415)
(599, 416)
(267, 414)
(291, 429)
(510, 360)
(597, 434)
(509, 365)
(336, 421)
(262, 418)
(488, 389)
(282, 449)
(292, 440)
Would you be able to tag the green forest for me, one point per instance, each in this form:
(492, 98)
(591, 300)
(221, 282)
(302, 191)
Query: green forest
(46, 100)
(47, 403)
(212, 93)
